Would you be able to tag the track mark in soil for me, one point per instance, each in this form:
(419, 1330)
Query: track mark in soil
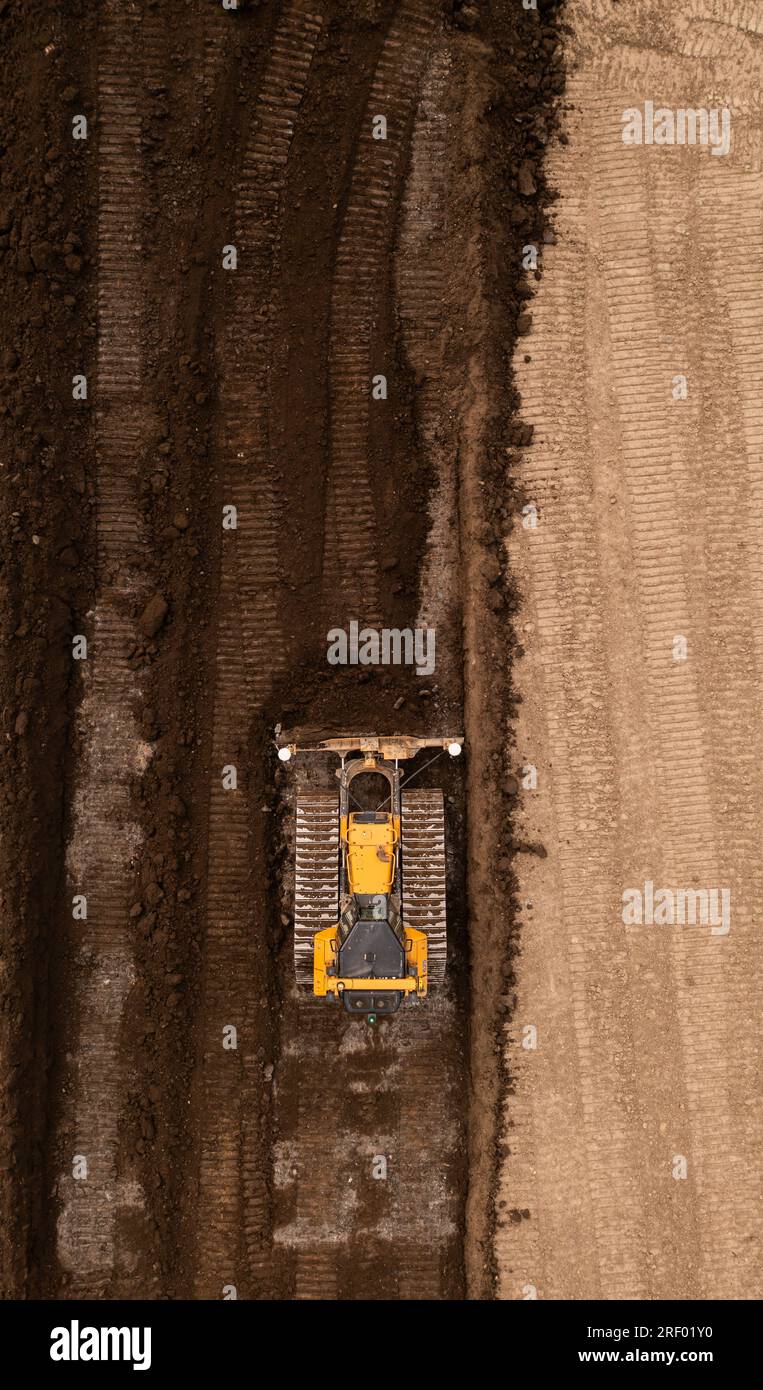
(105, 834)
(234, 1214)
(351, 566)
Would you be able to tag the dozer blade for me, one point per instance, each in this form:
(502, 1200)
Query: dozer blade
(316, 889)
(400, 746)
(423, 864)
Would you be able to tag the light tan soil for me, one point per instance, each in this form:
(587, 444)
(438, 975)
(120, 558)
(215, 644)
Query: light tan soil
(648, 767)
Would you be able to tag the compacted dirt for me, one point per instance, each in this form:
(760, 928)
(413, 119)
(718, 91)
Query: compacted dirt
(632, 1126)
(201, 475)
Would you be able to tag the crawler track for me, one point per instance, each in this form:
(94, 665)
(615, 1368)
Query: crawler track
(316, 877)
(424, 906)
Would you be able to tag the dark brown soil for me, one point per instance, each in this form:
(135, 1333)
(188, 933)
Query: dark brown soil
(47, 557)
(196, 77)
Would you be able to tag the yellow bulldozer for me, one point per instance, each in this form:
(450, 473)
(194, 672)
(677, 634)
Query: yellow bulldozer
(369, 912)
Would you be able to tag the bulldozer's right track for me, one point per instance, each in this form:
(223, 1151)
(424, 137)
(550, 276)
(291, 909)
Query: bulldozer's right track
(423, 835)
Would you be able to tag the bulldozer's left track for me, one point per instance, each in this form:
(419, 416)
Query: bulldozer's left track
(316, 887)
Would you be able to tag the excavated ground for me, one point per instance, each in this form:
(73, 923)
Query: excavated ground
(150, 647)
